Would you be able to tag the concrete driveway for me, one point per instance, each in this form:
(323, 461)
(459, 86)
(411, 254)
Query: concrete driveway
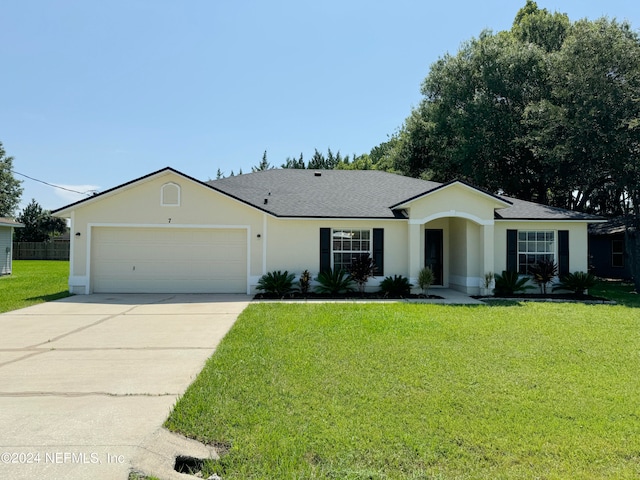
(87, 380)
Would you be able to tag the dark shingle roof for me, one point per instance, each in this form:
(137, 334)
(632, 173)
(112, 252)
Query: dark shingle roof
(332, 194)
(523, 210)
(354, 194)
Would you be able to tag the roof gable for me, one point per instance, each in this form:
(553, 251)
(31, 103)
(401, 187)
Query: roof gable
(145, 178)
(498, 201)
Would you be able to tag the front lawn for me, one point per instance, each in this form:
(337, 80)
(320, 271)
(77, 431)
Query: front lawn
(621, 292)
(401, 391)
(33, 281)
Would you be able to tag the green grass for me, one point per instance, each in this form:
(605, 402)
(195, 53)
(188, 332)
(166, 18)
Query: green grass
(623, 293)
(33, 281)
(397, 391)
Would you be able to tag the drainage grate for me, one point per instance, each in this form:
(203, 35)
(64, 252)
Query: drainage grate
(188, 465)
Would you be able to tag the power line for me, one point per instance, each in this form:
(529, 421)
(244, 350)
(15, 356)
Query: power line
(87, 193)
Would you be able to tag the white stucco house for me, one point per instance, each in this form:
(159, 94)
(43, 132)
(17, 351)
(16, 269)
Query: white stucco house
(167, 232)
(6, 244)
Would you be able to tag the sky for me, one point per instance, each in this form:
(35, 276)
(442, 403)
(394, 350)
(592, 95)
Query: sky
(97, 93)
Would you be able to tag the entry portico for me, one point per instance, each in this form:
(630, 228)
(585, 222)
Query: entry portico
(451, 230)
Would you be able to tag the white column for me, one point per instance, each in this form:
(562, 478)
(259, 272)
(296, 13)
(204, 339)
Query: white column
(414, 252)
(488, 264)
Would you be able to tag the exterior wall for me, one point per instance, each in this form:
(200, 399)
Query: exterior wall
(458, 248)
(578, 243)
(140, 204)
(473, 243)
(600, 258)
(454, 201)
(6, 237)
(294, 244)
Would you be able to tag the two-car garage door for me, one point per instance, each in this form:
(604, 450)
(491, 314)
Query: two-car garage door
(168, 260)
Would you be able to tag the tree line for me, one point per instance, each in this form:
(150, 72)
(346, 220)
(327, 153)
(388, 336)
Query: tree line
(548, 111)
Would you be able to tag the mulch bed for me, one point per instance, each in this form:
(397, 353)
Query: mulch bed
(342, 296)
(550, 297)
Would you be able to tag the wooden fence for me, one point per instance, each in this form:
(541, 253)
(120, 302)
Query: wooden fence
(58, 250)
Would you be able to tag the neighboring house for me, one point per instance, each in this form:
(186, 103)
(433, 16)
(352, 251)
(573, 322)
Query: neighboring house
(6, 244)
(168, 232)
(608, 256)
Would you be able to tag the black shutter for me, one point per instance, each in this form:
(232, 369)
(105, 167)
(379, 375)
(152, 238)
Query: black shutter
(563, 252)
(378, 251)
(512, 250)
(325, 249)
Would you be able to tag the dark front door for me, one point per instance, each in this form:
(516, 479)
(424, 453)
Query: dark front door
(433, 253)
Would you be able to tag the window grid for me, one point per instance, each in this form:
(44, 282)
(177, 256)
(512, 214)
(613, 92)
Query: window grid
(348, 244)
(534, 246)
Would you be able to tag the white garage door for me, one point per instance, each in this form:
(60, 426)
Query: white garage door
(168, 260)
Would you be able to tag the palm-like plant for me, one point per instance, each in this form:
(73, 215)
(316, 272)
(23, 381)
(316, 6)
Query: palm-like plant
(509, 283)
(277, 283)
(334, 282)
(360, 270)
(543, 272)
(396, 286)
(425, 279)
(577, 282)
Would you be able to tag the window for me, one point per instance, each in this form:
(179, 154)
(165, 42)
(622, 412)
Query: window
(170, 195)
(348, 244)
(534, 247)
(617, 253)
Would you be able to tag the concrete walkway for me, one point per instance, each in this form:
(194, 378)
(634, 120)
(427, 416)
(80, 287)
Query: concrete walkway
(87, 381)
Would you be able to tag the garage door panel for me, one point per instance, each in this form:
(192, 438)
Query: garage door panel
(155, 260)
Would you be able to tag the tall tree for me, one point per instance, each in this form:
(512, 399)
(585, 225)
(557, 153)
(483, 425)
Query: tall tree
(263, 165)
(547, 111)
(10, 189)
(39, 225)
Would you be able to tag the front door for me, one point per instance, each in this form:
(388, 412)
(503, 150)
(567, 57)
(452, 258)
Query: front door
(433, 253)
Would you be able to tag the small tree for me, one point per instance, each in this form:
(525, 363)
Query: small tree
(425, 279)
(39, 225)
(360, 270)
(305, 282)
(544, 271)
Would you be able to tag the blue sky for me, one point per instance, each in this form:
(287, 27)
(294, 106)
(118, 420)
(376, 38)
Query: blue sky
(95, 93)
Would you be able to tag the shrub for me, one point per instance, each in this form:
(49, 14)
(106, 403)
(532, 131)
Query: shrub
(425, 279)
(577, 282)
(361, 269)
(277, 283)
(509, 283)
(543, 272)
(334, 282)
(396, 286)
(488, 278)
(305, 282)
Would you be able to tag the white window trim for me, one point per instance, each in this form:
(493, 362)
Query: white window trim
(369, 252)
(555, 246)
